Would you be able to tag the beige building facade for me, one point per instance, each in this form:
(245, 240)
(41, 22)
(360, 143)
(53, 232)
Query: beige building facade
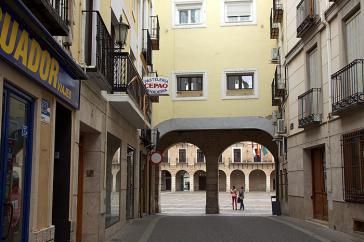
(318, 91)
(244, 164)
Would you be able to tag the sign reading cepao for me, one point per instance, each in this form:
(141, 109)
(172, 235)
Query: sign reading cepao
(19, 48)
(157, 86)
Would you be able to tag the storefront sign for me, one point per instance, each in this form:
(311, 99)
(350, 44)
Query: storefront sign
(20, 48)
(157, 86)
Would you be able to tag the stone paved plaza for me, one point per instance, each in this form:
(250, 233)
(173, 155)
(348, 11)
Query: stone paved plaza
(191, 203)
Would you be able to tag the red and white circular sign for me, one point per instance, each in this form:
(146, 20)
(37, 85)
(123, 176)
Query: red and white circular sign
(156, 157)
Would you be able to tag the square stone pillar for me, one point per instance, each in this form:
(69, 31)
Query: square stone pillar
(173, 183)
(228, 183)
(212, 185)
(268, 184)
(247, 183)
(192, 183)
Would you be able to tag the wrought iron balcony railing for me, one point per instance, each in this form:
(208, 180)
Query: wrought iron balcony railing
(155, 32)
(276, 100)
(53, 14)
(274, 27)
(127, 79)
(307, 14)
(309, 108)
(99, 51)
(147, 47)
(277, 11)
(348, 87)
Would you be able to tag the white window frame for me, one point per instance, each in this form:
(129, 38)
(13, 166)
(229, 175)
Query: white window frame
(239, 71)
(175, 14)
(174, 85)
(253, 21)
(241, 154)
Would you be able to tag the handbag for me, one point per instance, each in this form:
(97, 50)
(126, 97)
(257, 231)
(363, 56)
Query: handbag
(239, 200)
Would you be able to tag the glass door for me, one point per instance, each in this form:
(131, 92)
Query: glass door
(15, 167)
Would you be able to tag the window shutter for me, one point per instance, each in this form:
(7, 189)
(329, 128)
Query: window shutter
(353, 44)
(238, 8)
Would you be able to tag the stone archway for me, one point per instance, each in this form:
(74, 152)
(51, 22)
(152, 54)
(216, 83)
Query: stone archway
(200, 180)
(166, 181)
(222, 181)
(237, 179)
(273, 181)
(257, 181)
(182, 181)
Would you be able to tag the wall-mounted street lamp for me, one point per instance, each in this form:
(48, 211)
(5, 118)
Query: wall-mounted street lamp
(121, 32)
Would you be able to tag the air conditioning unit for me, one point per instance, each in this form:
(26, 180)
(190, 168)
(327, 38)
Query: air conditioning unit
(275, 116)
(155, 137)
(275, 55)
(281, 129)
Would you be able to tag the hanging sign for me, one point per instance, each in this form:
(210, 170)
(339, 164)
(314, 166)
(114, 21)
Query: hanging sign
(156, 157)
(28, 53)
(157, 86)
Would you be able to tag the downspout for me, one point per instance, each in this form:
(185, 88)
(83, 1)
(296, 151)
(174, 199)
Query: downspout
(329, 72)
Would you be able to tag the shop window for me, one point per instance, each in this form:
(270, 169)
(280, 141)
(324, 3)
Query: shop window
(113, 181)
(353, 155)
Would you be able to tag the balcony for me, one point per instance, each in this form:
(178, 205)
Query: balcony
(99, 50)
(309, 108)
(277, 11)
(307, 15)
(347, 87)
(147, 48)
(274, 27)
(154, 32)
(280, 83)
(129, 95)
(276, 100)
(53, 14)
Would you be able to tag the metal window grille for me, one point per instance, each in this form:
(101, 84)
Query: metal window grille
(353, 162)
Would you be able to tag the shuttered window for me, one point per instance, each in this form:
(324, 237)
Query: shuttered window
(313, 69)
(353, 43)
(238, 11)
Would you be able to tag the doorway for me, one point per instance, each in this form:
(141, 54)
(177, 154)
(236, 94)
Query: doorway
(15, 166)
(319, 195)
(130, 183)
(61, 174)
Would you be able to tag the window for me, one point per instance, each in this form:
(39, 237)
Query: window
(182, 156)
(200, 156)
(353, 43)
(238, 11)
(313, 69)
(353, 155)
(188, 13)
(240, 81)
(237, 155)
(189, 83)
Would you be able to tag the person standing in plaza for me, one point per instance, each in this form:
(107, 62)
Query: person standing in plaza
(241, 197)
(233, 193)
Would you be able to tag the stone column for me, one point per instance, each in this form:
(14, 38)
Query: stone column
(173, 183)
(227, 183)
(192, 183)
(212, 185)
(247, 182)
(268, 183)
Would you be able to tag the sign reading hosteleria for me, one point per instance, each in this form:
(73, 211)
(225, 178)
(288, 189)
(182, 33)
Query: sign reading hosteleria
(157, 86)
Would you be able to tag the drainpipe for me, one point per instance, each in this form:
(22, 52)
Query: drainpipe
(329, 72)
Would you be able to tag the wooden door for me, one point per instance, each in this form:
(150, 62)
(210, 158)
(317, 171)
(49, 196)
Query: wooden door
(80, 193)
(319, 195)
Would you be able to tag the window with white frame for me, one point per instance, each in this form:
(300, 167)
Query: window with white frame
(240, 83)
(190, 13)
(238, 11)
